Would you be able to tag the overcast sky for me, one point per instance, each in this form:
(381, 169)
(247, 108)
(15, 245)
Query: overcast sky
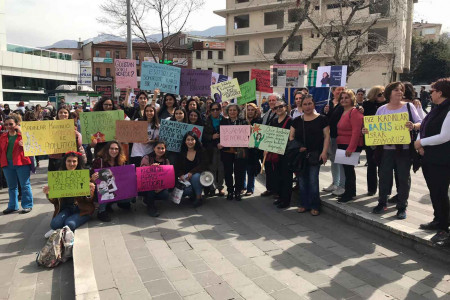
(44, 22)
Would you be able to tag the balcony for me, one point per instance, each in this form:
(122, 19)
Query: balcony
(38, 52)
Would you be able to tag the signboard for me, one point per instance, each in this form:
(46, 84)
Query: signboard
(106, 90)
(106, 60)
(166, 78)
(234, 135)
(184, 62)
(131, 131)
(151, 59)
(331, 76)
(387, 129)
(195, 82)
(214, 45)
(226, 90)
(248, 91)
(172, 133)
(99, 125)
(262, 80)
(288, 76)
(103, 78)
(85, 64)
(116, 183)
(48, 137)
(269, 138)
(153, 178)
(63, 184)
(85, 76)
(126, 75)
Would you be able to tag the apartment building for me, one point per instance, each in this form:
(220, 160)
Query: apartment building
(255, 30)
(208, 55)
(427, 31)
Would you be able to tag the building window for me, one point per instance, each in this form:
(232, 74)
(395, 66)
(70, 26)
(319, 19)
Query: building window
(220, 54)
(198, 68)
(97, 71)
(272, 45)
(317, 7)
(241, 48)
(108, 72)
(182, 40)
(108, 54)
(221, 71)
(330, 63)
(198, 54)
(97, 53)
(379, 7)
(377, 37)
(295, 44)
(136, 55)
(274, 18)
(242, 77)
(315, 66)
(241, 21)
(241, 1)
(345, 4)
(117, 54)
(293, 15)
(210, 55)
(210, 69)
(138, 72)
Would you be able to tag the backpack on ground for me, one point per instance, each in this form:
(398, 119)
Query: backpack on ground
(57, 249)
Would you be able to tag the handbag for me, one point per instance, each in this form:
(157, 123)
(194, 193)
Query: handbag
(177, 193)
(312, 157)
(415, 158)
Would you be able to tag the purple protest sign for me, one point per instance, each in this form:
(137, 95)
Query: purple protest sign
(116, 183)
(154, 178)
(195, 82)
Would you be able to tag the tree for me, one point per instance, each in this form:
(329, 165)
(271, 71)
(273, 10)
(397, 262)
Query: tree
(170, 16)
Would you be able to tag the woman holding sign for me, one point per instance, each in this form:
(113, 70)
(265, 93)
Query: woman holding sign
(16, 166)
(141, 149)
(71, 211)
(105, 104)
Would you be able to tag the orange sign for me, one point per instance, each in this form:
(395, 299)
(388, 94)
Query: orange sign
(214, 45)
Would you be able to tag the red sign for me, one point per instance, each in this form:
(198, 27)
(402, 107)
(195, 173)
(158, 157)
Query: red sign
(214, 45)
(106, 90)
(262, 80)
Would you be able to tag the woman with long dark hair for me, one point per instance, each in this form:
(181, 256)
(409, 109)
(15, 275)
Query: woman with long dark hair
(168, 107)
(195, 118)
(104, 104)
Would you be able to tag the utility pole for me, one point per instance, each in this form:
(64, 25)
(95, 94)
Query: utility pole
(129, 38)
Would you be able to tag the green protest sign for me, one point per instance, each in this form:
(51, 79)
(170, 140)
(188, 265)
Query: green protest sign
(269, 138)
(64, 184)
(99, 125)
(248, 91)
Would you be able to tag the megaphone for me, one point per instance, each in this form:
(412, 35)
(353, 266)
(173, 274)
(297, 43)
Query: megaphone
(206, 178)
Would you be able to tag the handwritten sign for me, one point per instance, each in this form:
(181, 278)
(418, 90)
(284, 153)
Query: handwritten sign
(154, 178)
(126, 75)
(131, 131)
(63, 184)
(116, 183)
(262, 80)
(288, 75)
(248, 91)
(226, 90)
(234, 135)
(48, 137)
(166, 78)
(99, 125)
(387, 129)
(269, 138)
(331, 76)
(173, 132)
(195, 82)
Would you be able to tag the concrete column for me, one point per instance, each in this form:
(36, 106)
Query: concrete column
(2, 26)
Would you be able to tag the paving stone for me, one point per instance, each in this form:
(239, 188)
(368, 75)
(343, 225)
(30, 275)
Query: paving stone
(222, 292)
(110, 294)
(188, 287)
(150, 274)
(169, 296)
(285, 294)
(200, 296)
(145, 262)
(252, 292)
(207, 278)
(252, 271)
(178, 274)
(196, 266)
(269, 284)
(158, 287)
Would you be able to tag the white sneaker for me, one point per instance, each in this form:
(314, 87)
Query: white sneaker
(48, 234)
(338, 191)
(331, 188)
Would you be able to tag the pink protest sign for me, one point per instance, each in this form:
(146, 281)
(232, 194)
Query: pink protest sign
(154, 178)
(126, 73)
(234, 135)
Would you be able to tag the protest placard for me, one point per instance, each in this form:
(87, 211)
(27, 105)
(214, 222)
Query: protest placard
(329, 76)
(131, 131)
(116, 183)
(172, 133)
(294, 75)
(166, 78)
(216, 78)
(99, 125)
(234, 135)
(226, 90)
(195, 82)
(154, 178)
(269, 138)
(387, 129)
(126, 75)
(262, 80)
(248, 91)
(48, 137)
(63, 184)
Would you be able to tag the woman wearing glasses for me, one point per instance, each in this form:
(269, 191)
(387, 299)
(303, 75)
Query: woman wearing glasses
(104, 104)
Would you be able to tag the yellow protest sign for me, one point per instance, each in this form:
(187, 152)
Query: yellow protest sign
(387, 129)
(226, 90)
(48, 137)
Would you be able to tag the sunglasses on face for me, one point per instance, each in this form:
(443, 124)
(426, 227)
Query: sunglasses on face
(380, 95)
(279, 106)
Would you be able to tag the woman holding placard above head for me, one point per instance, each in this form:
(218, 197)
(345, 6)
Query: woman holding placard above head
(195, 118)
(16, 166)
(234, 159)
(167, 109)
(54, 160)
(135, 113)
(350, 140)
(141, 149)
(395, 156)
(190, 164)
(71, 211)
(111, 155)
(312, 132)
(156, 158)
(253, 166)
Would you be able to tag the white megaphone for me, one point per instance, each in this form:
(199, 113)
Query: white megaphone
(206, 178)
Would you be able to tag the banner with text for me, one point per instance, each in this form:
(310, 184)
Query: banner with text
(288, 75)
(195, 82)
(116, 183)
(225, 91)
(131, 131)
(159, 76)
(99, 125)
(153, 178)
(262, 80)
(329, 76)
(63, 184)
(126, 75)
(269, 138)
(234, 135)
(387, 129)
(248, 91)
(172, 133)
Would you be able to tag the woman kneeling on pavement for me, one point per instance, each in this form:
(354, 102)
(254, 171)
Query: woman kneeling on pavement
(71, 211)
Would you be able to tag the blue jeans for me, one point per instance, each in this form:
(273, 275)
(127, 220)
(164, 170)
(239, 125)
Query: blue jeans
(102, 206)
(249, 182)
(12, 173)
(308, 183)
(151, 196)
(337, 170)
(69, 216)
(196, 188)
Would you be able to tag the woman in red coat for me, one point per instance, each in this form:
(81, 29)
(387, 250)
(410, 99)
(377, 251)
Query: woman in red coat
(15, 166)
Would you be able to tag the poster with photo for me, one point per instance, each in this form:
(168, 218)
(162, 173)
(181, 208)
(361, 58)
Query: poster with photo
(329, 76)
(294, 75)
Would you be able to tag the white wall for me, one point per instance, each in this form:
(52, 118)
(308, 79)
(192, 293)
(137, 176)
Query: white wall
(2, 26)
